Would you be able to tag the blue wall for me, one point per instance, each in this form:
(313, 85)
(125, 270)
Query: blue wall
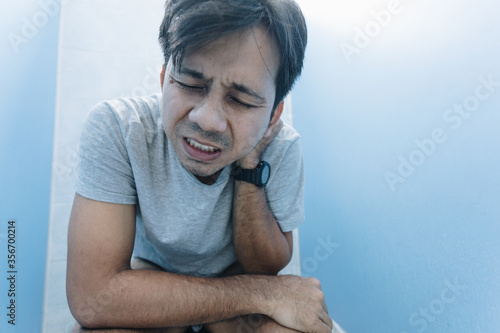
(28, 64)
(414, 249)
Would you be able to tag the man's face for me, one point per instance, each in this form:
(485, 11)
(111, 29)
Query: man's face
(218, 106)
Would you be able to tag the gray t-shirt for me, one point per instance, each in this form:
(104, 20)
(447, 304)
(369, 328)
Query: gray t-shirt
(182, 224)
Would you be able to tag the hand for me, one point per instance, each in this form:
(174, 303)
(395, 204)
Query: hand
(300, 305)
(255, 156)
(255, 323)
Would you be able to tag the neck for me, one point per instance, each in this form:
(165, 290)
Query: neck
(209, 180)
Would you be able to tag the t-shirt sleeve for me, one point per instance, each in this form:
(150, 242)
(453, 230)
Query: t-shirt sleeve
(103, 170)
(285, 190)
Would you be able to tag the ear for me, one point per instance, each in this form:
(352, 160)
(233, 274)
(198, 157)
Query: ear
(162, 76)
(275, 117)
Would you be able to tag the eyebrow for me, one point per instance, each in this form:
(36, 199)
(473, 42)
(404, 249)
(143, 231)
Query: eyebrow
(192, 73)
(245, 90)
(240, 87)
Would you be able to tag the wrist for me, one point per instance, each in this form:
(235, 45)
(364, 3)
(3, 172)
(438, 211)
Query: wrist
(258, 176)
(267, 302)
(260, 288)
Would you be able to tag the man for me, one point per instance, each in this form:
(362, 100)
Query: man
(186, 201)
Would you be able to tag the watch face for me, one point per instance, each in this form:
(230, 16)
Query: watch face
(265, 173)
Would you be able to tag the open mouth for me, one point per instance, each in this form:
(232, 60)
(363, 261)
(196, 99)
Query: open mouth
(201, 147)
(201, 152)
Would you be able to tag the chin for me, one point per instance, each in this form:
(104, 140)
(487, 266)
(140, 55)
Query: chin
(201, 170)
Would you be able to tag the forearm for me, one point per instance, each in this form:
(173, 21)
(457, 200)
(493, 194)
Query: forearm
(260, 245)
(147, 299)
(255, 323)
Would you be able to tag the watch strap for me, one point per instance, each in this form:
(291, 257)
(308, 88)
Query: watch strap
(253, 176)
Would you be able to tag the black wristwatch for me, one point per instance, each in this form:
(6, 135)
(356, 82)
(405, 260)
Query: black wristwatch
(258, 176)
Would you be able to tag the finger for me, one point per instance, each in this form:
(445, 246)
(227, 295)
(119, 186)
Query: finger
(279, 124)
(325, 308)
(320, 296)
(325, 318)
(277, 128)
(320, 326)
(273, 131)
(326, 328)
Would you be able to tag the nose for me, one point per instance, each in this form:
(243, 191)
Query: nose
(210, 115)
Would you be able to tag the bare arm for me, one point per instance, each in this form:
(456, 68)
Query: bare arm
(261, 247)
(104, 292)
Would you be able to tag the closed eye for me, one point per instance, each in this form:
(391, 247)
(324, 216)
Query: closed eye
(189, 87)
(240, 103)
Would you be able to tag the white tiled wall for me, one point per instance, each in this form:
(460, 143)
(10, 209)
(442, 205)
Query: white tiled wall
(107, 49)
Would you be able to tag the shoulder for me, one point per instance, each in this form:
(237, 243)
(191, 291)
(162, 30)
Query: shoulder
(288, 134)
(124, 112)
(286, 141)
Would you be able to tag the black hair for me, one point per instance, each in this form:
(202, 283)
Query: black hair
(190, 24)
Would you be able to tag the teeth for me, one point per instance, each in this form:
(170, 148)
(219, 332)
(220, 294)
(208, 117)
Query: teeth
(200, 146)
